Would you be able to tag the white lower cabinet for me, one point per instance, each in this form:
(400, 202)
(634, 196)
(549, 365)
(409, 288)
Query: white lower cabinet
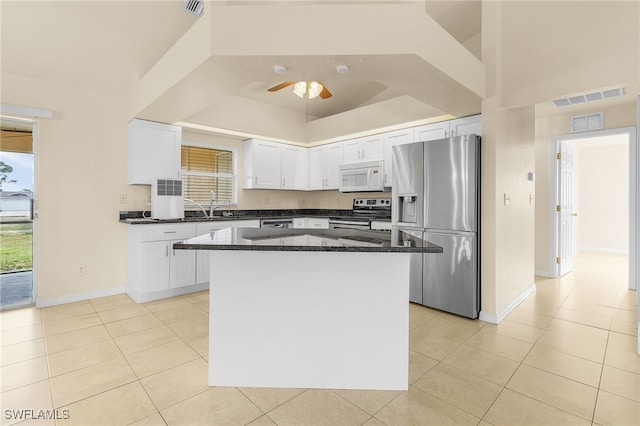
(311, 222)
(154, 269)
(202, 256)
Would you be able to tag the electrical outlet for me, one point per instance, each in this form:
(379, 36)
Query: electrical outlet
(123, 198)
(82, 270)
(507, 199)
(266, 200)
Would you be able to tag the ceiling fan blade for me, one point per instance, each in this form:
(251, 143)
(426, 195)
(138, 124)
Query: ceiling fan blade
(281, 86)
(325, 94)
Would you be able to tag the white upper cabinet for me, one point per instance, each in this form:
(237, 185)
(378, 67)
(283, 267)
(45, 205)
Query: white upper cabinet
(262, 164)
(431, 132)
(324, 164)
(154, 151)
(367, 148)
(271, 165)
(335, 154)
(295, 172)
(466, 126)
(391, 139)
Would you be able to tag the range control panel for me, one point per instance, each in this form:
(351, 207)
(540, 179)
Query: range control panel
(371, 202)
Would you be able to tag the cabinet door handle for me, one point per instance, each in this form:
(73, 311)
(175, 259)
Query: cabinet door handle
(255, 180)
(170, 232)
(166, 251)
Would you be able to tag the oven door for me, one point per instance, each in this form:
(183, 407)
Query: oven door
(348, 224)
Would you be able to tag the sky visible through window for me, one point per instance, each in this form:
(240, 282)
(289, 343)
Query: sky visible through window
(22, 173)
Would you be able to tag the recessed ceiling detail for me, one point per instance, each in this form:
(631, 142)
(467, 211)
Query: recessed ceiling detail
(588, 97)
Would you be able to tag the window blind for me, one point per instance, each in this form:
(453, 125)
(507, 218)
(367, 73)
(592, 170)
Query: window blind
(207, 169)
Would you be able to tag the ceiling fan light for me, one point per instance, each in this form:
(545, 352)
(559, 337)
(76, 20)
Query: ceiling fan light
(314, 89)
(300, 88)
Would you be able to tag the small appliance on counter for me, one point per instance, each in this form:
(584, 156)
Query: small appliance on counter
(435, 196)
(167, 201)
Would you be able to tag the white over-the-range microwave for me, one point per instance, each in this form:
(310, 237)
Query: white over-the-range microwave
(362, 177)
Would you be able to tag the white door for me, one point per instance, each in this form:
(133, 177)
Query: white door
(565, 210)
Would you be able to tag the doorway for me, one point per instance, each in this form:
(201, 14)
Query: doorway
(17, 213)
(595, 193)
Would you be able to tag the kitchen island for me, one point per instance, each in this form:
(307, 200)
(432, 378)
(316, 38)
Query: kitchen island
(309, 308)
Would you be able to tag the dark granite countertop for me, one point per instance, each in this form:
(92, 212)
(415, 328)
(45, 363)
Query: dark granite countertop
(142, 217)
(337, 240)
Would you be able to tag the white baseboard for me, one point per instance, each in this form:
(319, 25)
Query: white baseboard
(497, 319)
(78, 297)
(545, 274)
(163, 294)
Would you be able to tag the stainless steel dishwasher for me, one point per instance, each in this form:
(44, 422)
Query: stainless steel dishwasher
(276, 223)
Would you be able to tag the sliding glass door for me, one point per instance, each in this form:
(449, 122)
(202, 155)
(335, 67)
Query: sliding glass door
(16, 213)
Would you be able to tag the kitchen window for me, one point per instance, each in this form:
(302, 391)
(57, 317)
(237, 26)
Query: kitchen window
(207, 168)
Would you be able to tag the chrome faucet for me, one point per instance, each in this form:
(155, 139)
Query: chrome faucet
(197, 204)
(212, 198)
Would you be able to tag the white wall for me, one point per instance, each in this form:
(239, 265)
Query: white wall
(601, 194)
(81, 169)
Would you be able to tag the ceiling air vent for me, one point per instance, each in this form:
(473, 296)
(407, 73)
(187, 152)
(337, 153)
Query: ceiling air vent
(194, 7)
(589, 97)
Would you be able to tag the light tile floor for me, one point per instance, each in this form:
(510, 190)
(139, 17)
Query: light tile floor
(566, 355)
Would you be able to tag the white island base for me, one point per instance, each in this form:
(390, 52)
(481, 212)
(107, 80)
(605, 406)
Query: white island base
(309, 319)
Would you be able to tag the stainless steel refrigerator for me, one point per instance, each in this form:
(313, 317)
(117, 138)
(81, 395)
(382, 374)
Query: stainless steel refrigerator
(435, 193)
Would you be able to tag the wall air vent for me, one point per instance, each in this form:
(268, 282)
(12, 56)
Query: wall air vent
(589, 97)
(587, 122)
(194, 7)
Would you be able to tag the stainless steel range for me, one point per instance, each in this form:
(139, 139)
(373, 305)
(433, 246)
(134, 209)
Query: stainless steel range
(366, 213)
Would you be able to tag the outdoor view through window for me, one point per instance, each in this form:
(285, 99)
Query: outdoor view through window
(16, 222)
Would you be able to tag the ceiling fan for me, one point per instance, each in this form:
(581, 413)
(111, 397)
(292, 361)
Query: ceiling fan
(311, 89)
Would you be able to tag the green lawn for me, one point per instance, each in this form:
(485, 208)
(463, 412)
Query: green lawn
(16, 247)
